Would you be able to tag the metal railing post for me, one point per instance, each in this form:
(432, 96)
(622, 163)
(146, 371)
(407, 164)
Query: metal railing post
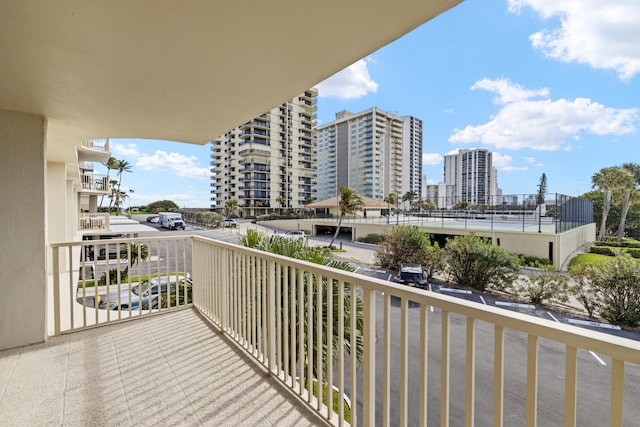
(369, 358)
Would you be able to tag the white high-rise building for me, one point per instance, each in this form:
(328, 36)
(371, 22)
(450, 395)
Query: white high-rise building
(372, 152)
(473, 176)
(412, 155)
(268, 163)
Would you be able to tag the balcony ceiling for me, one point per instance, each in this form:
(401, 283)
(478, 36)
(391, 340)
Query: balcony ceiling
(159, 70)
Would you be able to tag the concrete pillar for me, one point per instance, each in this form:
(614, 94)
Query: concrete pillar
(23, 230)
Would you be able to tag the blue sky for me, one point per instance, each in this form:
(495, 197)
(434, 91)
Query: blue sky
(549, 86)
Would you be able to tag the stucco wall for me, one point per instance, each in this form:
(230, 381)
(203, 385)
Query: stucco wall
(23, 229)
(532, 244)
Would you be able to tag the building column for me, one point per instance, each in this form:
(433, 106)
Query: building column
(22, 229)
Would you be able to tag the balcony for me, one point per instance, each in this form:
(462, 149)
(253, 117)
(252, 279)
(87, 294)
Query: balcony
(95, 183)
(94, 221)
(252, 329)
(94, 150)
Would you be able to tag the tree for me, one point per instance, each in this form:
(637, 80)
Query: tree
(282, 201)
(113, 196)
(110, 165)
(162, 206)
(121, 166)
(350, 203)
(409, 196)
(134, 253)
(630, 196)
(461, 205)
(409, 244)
(232, 206)
(542, 189)
(608, 180)
(392, 199)
(473, 262)
(322, 256)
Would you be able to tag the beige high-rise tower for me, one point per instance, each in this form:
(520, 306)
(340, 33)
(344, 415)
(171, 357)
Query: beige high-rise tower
(369, 152)
(268, 164)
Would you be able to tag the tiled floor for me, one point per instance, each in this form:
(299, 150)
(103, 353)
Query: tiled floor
(171, 369)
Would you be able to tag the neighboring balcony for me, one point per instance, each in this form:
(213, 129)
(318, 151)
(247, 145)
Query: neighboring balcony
(94, 221)
(198, 353)
(94, 150)
(95, 183)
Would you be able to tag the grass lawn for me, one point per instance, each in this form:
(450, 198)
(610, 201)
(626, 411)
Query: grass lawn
(133, 279)
(589, 258)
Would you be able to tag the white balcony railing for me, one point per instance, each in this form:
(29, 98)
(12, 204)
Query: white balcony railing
(97, 144)
(95, 182)
(94, 221)
(426, 358)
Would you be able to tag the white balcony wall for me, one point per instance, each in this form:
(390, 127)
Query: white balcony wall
(23, 229)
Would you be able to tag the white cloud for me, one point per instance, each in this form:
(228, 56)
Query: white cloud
(530, 160)
(507, 91)
(431, 159)
(181, 165)
(350, 83)
(601, 34)
(542, 124)
(432, 182)
(129, 150)
(501, 160)
(450, 111)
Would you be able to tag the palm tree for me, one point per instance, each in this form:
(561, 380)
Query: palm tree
(322, 256)
(409, 196)
(134, 253)
(231, 205)
(122, 166)
(608, 180)
(350, 203)
(109, 164)
(113, 186)
(283, 201)
(631, 195)
(392, 199)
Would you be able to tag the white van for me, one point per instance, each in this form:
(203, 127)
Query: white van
(171, 220)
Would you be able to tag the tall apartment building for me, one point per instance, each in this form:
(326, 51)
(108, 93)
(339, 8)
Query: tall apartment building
(412, 155)
(366, 152)
(268, 163)
(473, 176)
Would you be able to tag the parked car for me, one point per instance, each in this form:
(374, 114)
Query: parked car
(230, 223)
(412, 275)
(295, 235)
(138, 300)
(148, 294)
(152, 218)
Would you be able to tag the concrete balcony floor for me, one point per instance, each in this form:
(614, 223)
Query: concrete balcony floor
(171, 369)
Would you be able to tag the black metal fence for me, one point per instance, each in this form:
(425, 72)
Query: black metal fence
(518, 212)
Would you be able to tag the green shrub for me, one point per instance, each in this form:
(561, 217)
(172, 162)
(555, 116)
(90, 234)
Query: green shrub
(617, 284)
(538, 288)
(633, 252)
(601, 250)
(409, 244)
(532, 261)
(113, 277)
(371, 238)
(479, 264)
